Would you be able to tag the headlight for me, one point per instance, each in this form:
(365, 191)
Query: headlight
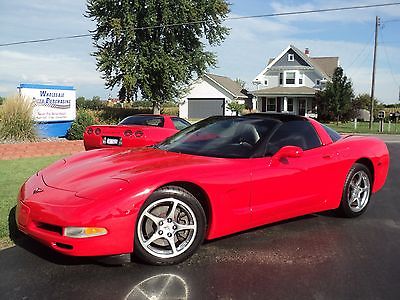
(84, 232)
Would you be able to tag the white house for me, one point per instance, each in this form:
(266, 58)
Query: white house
(290, 81)
(210, 96)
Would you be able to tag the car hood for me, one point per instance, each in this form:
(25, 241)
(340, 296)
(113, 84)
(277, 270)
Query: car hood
(96, 168)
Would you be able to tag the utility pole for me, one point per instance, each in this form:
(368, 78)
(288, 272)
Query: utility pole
(371, 112)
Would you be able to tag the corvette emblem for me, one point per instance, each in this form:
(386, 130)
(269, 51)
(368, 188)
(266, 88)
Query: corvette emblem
(37, 190)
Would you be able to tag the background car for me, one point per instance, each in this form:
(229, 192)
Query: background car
(217, 177)
(133, 131)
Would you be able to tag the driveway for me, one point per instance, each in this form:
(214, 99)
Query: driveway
(314, 257)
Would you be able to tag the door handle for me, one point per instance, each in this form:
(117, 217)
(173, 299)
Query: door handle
(330, 155)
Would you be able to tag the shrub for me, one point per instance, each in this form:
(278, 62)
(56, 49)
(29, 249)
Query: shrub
(16, 122)
(95, 103)
(84, 118)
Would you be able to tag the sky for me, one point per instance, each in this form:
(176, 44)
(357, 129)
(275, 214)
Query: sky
(245, 52)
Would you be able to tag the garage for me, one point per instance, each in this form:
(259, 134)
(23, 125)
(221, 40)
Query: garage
(202, 107)
(210, 96)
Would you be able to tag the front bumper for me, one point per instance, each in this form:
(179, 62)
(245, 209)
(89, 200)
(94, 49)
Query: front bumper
(44, 219)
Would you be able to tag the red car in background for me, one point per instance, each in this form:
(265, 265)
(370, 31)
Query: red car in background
(133, 131)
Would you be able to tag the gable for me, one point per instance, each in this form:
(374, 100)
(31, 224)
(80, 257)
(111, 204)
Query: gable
(284, 61)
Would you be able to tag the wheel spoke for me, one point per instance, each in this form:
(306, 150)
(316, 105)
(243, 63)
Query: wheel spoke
(171, 241)
(171, 213)
(358, 202)
(153, 238)
(185, 227)
(359, 180)
(152, 217)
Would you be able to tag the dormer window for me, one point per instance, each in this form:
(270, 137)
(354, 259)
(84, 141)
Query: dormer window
(317, 82)
(290, 57)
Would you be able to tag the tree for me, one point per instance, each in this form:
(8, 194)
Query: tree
(335, 101)
(363, 101)
(240, 82)
(155, 48)
(236, 107)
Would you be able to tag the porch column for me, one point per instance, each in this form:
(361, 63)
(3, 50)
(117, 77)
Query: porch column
(285, 104)
(306, 103)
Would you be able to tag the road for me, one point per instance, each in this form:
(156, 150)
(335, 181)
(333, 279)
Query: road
(314, 257)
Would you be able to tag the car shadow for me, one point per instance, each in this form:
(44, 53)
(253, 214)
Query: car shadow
(46, 253)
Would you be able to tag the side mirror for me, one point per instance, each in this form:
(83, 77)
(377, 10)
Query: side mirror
(286, 152)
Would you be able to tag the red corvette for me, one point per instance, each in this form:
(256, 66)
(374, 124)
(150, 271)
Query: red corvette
(133, 131)
(217, 177)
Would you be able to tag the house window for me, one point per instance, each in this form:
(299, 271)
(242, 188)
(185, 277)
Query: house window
(301, 80)
(280, 78)
(265, 82)
(271, 104)
(290, 77)
(290, 104)
(290, 57)
(317, 82)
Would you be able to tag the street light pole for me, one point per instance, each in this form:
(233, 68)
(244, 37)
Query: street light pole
(371, 112)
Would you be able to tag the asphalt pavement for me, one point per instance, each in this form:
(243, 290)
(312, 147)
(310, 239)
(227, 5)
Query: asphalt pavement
(318, 256)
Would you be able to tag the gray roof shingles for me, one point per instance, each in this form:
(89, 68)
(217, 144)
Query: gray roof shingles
(233, 87)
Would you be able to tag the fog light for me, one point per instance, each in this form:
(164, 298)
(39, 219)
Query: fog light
(84, 232)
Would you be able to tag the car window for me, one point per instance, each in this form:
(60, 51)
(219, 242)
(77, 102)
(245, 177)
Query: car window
(149, 120)
(332, 133)
(293, 133)
(228, 137)
(180, 123)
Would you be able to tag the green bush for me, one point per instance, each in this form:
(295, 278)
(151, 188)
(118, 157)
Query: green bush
(16, 123)
(112, 115)
(84, 118)
(95, 103)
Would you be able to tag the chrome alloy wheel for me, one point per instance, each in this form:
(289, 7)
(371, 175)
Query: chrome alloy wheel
(358, 191)
(167, 228)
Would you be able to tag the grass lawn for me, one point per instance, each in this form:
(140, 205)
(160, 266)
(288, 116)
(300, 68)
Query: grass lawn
(13, 173)
(363, 127)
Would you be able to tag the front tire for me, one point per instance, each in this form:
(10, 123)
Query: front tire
(170, 227)
(356, 191)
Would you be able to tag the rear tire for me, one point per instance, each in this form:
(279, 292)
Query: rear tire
(356, 192)
(170, 226)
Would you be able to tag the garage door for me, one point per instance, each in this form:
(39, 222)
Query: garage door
(203, 108)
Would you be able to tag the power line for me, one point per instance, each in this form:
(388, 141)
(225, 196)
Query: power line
(362, 51)
(301, 12)
(48, 39)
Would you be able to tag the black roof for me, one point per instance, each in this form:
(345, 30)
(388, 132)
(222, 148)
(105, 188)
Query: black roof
(278, 116)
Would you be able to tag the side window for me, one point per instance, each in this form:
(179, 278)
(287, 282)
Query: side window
(293, 133)
(180, 123)
(332, 133)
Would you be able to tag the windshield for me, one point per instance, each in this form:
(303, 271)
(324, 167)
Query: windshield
(229, 137)
(143, 120)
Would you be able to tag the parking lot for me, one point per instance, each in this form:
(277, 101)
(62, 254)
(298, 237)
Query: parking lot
(317, 256)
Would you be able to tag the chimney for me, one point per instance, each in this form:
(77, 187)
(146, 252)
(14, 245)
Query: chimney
(307, 52)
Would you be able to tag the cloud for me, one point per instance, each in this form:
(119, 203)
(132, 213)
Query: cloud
(47, 69)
